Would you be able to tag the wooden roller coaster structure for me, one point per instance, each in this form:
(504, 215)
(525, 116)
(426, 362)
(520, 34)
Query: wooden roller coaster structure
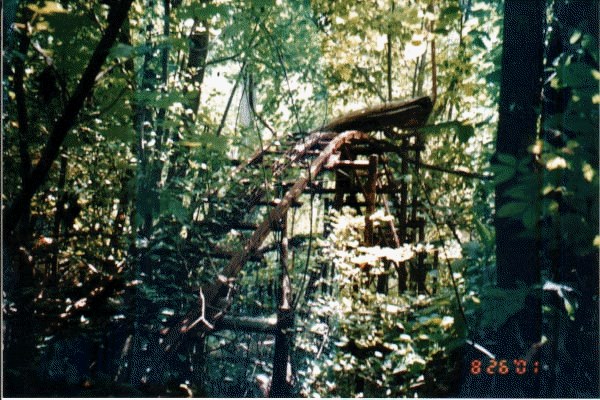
(334, 147)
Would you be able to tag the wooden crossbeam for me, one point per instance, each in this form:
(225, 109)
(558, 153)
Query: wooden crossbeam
(350, 164)
(266, 325)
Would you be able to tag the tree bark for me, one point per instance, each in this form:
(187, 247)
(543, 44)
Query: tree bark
(520, 96)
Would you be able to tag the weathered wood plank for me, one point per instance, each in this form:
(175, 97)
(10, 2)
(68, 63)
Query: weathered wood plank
(402, 115)
(248, 324)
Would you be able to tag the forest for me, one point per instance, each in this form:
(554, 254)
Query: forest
(300, 198)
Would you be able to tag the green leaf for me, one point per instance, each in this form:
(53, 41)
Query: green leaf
(507, 159)
(73, 140)
(208, 11)
(450, 11)
(465, 132)
(462, 130)
(502, 173)
(530, 218)
(484, 233)
(121, 50)
(575, 37)
(478, 42)
(66, 28)
(590, 44)
(519, 192)
(120, 133)
(512, 209)
(500, 304)
(170, 204)
(575, 122)
(576, 75)
(494, 77)
(523, 165)
(570, 309)
(481, 13)
(164, 100)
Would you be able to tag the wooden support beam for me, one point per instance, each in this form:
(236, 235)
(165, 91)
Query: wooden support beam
(370, 196)
(402, 152)
(226, 255)
(401, 214)
(350, 164)
(311, 185)
(342, 183)
(354, 190)
(243, 226)
(267, 325)
(415, 223)
(313, 153)
(381, 147)
(282, 369)
(285, 284)
(275, 203)
(415, 188)
(295, 241)
(421, 272)
(382, 280)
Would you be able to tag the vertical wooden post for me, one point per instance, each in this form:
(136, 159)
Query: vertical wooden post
(383, 279)
(282, 369)
(328, 267)
(370, 192)
(415, 189)
(421, 273)
(401, 267)
(325, 267)
(436, 263)
(370, 195)
(342, 185)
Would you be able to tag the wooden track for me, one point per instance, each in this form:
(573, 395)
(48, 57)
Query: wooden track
(401, 115)
(307, 158)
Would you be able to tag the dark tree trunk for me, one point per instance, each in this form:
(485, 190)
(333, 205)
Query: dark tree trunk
(519, 101)
(517, 255)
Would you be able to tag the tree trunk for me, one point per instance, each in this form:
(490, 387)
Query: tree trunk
(517, 256)
(519, 99)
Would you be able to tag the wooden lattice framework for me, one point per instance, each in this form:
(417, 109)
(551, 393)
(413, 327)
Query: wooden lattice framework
(334, 147)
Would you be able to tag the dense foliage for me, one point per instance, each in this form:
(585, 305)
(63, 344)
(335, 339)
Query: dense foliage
(124, 124)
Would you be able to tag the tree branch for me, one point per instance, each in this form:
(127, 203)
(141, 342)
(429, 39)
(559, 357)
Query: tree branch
(67, 120)
(22, 117)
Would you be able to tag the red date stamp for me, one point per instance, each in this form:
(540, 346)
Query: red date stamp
(504, 367)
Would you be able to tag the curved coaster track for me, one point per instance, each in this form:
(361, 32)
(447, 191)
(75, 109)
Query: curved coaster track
(345, 147)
